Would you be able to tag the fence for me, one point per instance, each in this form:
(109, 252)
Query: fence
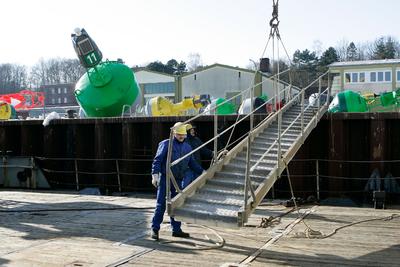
(317, 177)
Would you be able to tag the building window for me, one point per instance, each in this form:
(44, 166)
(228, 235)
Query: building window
(362, 77)
(65, 100)
(53, 101)
(59, 100)
(398, 75)
(53, 91)
(354, 77)
(59, 90)
(388, 76)
(159, 88)
(65, 90)
(380, 76)
(347, 75)
(372, 77)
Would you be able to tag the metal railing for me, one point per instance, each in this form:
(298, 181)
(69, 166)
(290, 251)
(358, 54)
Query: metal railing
(77, 172)
(213, 110)
(278, 142)
(277, 115)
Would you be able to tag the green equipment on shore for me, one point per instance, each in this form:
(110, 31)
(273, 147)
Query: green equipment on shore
(107, 88)
(226, 108)
(349, 101)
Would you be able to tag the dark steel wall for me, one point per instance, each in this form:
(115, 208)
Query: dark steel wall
(340, 137)
(97, 143)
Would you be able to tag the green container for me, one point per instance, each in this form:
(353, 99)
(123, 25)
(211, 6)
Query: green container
(106, 89)
(13, 112)
(226, 108)
(348, 101)
(388, 99)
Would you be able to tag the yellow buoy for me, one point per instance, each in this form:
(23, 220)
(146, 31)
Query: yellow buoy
(5, 111)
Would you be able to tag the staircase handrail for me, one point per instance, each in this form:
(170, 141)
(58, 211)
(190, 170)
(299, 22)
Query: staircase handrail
(223, 132)
(253, 168)
(279, 114)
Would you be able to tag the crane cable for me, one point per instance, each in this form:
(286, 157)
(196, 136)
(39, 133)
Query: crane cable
(274, 32)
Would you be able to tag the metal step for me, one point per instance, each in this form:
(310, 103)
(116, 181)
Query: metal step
(218, 190)
(268, 135)
(294, 115)
(307, 108)
(288, 121)
(288, 133)
(294, 127)
(220, 200)
(287, 139)
(274, 129)
(235, 175)
(261, 150)
(242, 168)
(255, 155)
(266, 145)
(270, 161)
(218, 215)
(232, 183)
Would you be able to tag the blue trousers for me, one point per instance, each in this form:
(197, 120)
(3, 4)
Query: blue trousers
(161, 205)
(190, 176)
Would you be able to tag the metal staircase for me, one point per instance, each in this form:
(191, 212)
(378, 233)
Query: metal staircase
(232, 188)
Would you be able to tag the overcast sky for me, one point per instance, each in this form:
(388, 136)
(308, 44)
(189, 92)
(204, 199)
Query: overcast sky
(224, 31)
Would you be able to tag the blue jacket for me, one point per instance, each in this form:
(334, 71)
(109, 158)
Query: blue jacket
(202, 153)
(178, 150)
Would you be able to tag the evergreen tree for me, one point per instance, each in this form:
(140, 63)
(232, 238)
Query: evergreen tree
(352, 53)
(379, 51)
(390, 51)
(328, 57)
(172, 67)
(305, 59)
(386, 48)
(156, 66)
(181, 67)
(306, 63)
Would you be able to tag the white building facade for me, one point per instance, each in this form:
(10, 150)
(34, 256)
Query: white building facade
(222, 81)
(370, 76)
(154, 84)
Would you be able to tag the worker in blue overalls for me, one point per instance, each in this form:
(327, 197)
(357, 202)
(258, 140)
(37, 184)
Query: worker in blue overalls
(179, 149)
(203, 153)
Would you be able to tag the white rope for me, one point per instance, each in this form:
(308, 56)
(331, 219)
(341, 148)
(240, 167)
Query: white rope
(197, 246)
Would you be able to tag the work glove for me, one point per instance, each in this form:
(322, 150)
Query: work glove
(155, 179)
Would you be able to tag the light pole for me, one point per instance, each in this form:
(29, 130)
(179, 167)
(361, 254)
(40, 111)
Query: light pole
(255, 64)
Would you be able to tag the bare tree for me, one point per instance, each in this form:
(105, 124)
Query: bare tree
(318, 48)
(195, 61)
(341, 49)
(13, 77)
(55, 70)
(38, 74)
(71, 70)
(365, 50)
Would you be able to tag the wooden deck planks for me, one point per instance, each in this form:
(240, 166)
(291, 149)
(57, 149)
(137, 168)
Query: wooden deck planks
(119, 236)
(375, 243)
